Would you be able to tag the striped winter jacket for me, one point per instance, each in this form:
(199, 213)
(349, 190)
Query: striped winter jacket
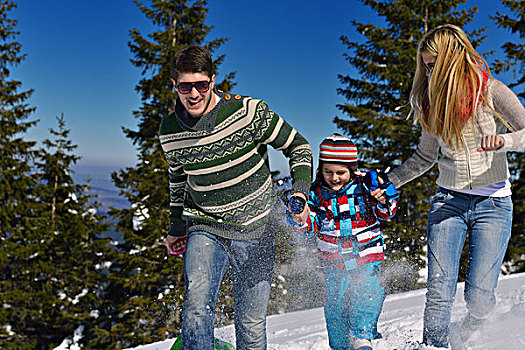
(346, 224)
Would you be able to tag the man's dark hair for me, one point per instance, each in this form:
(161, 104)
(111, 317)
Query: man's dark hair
(192, 59)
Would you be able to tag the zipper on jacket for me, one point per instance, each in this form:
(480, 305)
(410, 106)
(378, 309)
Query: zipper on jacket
(469, 175)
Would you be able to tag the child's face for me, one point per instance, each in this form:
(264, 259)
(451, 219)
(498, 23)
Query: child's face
(336, 175)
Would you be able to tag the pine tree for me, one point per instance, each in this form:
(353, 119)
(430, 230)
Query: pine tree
(384, 56)
(15, 151)
(147, 290)
(16, 154)
(76, 249)
(515, 61)
(514, 51)
(55, 268)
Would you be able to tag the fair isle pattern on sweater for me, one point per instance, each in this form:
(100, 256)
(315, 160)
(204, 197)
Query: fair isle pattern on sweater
(221, 175)
(353, 237)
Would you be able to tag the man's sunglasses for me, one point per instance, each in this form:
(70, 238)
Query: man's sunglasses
(185, 88)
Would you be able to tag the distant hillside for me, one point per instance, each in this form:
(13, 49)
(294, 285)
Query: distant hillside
(101, 185)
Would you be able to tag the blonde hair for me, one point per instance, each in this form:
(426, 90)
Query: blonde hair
(444, 102)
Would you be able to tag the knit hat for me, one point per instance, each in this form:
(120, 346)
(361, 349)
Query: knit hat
(338, 149)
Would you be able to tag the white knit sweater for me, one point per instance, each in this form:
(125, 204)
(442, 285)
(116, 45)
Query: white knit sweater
(466, 168)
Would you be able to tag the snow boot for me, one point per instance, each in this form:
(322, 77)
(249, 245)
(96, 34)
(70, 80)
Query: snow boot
(462, 331)
(362, 344)
(430, 347)
(469, 326)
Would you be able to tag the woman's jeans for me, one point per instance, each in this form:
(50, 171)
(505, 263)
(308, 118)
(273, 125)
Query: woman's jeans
(488, 221)
(354, 300)
(206, 260)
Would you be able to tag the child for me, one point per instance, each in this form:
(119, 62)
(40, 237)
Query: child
(344, 214)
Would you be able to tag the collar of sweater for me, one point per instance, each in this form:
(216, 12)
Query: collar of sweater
(204, 123)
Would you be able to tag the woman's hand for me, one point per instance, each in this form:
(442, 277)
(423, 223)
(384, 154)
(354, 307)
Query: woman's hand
(491, 143)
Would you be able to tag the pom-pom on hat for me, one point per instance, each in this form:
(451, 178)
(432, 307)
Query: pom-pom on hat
(338, 149)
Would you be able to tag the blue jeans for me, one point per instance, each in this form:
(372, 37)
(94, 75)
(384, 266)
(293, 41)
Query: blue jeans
(206, 260)
(354, 300)
(487, 220)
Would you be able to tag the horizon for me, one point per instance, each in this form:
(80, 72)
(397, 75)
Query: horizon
(288, 54)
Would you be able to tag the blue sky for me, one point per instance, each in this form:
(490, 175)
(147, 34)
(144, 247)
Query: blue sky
(286, 52)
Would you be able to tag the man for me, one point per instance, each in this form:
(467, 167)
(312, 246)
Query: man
(221, 197)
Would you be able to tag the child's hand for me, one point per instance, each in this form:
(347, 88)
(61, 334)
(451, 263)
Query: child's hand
(299, 217)
(379, 193)
(380, 186)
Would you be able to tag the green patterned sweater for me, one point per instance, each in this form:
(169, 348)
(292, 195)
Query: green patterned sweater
(219, 174)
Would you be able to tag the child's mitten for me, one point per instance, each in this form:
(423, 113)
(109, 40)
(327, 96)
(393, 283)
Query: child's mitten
(297, 204)
(372, 182)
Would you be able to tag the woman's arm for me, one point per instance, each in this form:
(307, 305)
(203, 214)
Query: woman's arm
(507, 104)
(421, 161)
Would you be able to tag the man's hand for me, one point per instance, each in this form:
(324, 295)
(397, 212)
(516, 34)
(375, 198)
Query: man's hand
(379, 193)
(300, 219)
(491, 143)
(176, 245)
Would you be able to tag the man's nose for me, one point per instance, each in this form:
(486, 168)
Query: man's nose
(194, 92)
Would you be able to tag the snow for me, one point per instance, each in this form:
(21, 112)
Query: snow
(69, 344)
(401, 323)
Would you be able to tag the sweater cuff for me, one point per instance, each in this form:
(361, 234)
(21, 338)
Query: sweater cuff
(177, 229)
(394, 179)
(508, 145)
(299, 229)
(301, 186)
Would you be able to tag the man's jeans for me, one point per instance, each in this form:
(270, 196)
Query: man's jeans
(206, 260)
(488, 222)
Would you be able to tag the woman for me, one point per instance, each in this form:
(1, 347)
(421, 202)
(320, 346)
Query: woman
(465, 116)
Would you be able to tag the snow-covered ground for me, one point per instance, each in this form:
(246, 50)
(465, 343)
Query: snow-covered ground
(400, 323)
